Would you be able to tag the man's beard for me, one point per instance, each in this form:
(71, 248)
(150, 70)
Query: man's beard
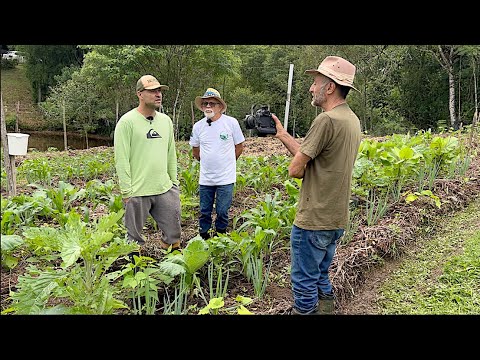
(319, 99)
(209, 115)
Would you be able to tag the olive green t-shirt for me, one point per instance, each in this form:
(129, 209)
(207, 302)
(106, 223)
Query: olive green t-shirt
(332, 143)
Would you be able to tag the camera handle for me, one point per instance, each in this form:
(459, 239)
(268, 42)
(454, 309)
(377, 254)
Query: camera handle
(255, 108)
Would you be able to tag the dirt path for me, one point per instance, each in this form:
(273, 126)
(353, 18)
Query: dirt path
(365, 301)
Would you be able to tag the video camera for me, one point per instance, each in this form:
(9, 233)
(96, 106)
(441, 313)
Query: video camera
(260, 119)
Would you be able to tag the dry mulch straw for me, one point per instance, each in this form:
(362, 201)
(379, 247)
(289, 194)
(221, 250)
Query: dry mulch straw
(397, 230)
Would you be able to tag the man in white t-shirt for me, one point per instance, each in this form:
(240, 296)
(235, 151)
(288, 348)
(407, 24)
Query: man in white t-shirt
(217, 142)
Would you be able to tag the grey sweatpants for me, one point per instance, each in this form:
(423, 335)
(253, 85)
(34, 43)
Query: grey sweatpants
(164, 208)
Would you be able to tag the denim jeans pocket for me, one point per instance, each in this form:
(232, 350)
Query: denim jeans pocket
(323, 238)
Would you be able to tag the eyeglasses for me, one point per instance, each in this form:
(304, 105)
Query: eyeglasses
(209, 103)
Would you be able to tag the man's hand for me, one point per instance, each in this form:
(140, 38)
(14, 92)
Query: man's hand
(283, 135)
(280, 129)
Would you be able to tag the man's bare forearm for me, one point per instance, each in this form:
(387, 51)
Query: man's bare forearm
(289, 141)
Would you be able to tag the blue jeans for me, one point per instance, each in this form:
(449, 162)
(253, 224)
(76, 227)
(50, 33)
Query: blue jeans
(222, 196)
(312, 253)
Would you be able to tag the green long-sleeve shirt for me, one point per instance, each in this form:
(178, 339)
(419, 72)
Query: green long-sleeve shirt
(145, 154)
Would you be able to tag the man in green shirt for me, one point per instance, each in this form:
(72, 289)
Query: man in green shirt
(324, 161)
(146, 165)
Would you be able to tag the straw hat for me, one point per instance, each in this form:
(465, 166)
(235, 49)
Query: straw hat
(336, 68)
(210, 93)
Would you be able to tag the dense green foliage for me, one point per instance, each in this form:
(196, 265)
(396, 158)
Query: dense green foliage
(402, 88)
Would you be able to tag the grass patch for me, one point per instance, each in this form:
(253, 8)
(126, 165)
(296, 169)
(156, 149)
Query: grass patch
(16, 88)
(443, 276)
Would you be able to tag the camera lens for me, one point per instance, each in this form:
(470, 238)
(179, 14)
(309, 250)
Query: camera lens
(250, 122)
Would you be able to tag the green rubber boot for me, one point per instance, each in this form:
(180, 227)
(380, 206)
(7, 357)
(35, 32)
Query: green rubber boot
(326, 304)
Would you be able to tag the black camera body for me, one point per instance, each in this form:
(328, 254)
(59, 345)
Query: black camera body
(261, 120)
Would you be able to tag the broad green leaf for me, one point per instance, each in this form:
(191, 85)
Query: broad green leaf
(216, 303)
(10, 242)
(242, 310)
(196, 254)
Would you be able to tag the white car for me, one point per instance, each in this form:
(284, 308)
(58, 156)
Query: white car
(13, 55)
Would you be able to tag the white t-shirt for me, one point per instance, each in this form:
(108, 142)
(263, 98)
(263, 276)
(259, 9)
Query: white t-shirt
(217, 149)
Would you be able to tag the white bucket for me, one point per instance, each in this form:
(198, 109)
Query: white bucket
(17, 143)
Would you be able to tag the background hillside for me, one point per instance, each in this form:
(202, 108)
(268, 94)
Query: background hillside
(402, 88)
(16, 88)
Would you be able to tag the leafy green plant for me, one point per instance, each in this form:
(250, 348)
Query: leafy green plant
(266, 215)
(352, 226)
(189, 206)
(144, 287)
(8, 244)
(62, 199)
(411, 197)
(215, 305)
(375, 207)
(179, 304)
(37, 171)
(258, 275)
(87, 251)
(189, 180)
(220, 289)
(187, 262)
(23, 211)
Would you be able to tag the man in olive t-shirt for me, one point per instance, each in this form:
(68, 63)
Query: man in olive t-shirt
(324, 161)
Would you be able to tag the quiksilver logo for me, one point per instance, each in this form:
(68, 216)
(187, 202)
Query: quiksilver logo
(152, 134)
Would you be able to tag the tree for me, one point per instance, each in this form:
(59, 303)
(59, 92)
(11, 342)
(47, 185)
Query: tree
(44, 62)
(447, 55)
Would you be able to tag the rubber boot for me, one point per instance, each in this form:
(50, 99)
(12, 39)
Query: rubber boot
(205, 235)
(219, 232)
(294, 311)
(326, 304)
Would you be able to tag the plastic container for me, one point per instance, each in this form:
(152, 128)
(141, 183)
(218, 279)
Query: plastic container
(17, 143)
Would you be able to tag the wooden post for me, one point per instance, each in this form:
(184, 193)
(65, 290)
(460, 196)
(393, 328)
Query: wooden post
(289, 91)
(13, 180)
(17, 114)
(64, 127)
(9, 160)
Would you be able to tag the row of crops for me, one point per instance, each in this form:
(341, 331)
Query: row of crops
(65, 228)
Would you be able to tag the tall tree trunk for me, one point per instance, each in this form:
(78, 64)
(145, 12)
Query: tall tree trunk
(475, 115)
(193, 113)
(451, 100)
(175, 116)
(446, 60)
(39, 100)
